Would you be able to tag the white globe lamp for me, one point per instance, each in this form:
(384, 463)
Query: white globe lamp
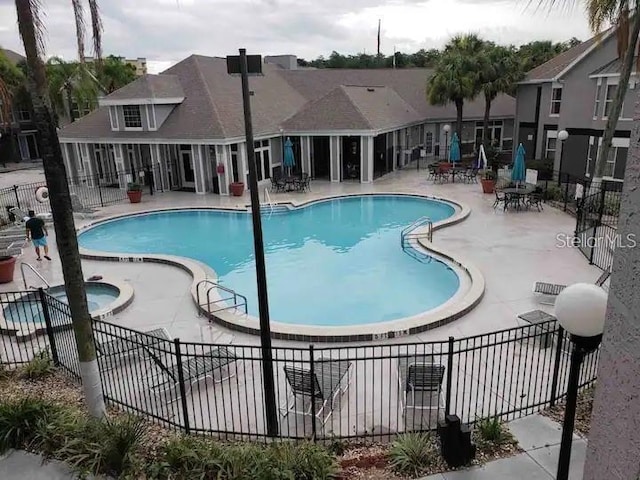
(563, 135)
(447, 128)
(580, 309)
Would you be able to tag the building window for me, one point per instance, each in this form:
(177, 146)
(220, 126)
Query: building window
(263, 159)
(113, 118)
(550, 148)
(556, 100)
(234, 162)
(132, 117)
(23, 115)
(428, 143)
(596, 107)
(608, 101)
(495, 132)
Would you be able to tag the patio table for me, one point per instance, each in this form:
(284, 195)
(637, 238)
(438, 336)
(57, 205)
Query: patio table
(457, 171)
(518, 193)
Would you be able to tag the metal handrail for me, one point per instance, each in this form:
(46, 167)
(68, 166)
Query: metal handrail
(407, 234)
(216, 286)
(24, 278)
(267, 199)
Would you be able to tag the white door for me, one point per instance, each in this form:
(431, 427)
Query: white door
(186, 169)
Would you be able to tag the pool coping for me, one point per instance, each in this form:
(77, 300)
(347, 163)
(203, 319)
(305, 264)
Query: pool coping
(201, 274)
(25, 332)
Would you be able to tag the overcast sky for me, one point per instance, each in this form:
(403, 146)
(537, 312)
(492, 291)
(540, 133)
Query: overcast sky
(166, 31)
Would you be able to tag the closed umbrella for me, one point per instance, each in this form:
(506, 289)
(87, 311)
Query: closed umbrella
(519, 172)
(454, 151)
(481, 163)
(289, 160)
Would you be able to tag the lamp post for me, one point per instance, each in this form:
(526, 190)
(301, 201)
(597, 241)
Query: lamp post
(580, 309)
(562, 136)
(241, 65)
(446, 129)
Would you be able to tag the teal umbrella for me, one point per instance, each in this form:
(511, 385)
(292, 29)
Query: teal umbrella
(454, 150)
(289, 160)
(519, 172)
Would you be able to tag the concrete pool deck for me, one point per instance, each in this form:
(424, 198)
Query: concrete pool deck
(512, 250)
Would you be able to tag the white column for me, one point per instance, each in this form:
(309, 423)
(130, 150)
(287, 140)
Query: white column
(118, 157)
(305, 153)
(88, 164)
(366, 159)
(243, 166)
(334, 158)
(198, 169)
(224, 158)
(68, 162)
(159, 176)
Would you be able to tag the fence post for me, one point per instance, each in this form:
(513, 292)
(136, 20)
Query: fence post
(15, 192)
(313, 393)
(100, 192)
(566, 193)
(183, 392)
(49, 326)
(556, 367)
(447, 407)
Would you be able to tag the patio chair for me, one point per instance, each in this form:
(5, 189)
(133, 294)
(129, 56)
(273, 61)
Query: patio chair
(443, 173)
(420, 381)
(433, 172)
(21, 215)
(471, 175)
(277, 184)
(318, 390)
(549, 291)
(78, 207)
(195, 369)
(500, 198)
(134, 345)
(535, 200)
(304, 183)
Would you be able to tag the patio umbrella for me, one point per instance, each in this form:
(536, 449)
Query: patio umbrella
(454, 151)
(519, 172)
(481, 163)
(289, 160)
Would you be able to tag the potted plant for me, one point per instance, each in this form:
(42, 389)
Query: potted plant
(134, 192)
(7, 266)
(237, 189)
(488, 181)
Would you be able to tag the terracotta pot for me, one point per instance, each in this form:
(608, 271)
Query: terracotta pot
(237, 189)
(488, 186)
(7, 266)
(135, 196)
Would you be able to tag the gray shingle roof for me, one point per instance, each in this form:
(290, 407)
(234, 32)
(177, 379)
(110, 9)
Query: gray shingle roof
(13, 57)
(613, 67)
(150, 86)
(212, 106)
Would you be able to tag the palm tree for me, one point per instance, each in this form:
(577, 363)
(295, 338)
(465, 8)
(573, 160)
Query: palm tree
(457, 75)
(30, 27)
(500, 73)
(617, 12)
(69, 83)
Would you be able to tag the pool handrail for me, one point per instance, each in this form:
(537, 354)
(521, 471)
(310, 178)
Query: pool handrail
(24, 278)
(216, 286)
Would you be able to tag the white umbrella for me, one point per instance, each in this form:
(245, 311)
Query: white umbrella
(482, 158)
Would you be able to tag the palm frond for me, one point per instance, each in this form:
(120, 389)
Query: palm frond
(78, 13)
(96, 28)
(39, 26)
(5, 102)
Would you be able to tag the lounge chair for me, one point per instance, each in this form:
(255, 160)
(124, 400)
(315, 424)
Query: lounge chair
(78, 207)
(549, 291)
(316, 391)
(195, 369)
(22, 216)
(420, 381)
(135, 345)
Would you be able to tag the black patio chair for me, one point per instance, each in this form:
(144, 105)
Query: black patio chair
(500, 198)
(535, 200)
(277, 184)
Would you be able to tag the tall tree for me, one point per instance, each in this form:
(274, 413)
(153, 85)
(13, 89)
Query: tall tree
(457, 75)
(499, 74)
(30, 27)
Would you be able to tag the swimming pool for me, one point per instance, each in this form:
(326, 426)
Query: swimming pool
(28, 309)
(332, 263)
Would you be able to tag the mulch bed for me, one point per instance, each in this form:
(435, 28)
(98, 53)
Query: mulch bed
(584, 408)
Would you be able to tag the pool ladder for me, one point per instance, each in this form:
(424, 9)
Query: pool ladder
(24, 265)
(410, 235)
(239, 301)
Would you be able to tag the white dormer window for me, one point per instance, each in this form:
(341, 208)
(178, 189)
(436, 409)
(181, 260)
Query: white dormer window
(556, 100)
(132, 116)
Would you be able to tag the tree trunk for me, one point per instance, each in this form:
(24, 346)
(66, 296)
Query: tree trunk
(618, 101)
(60, 200)
(485, 125)
(459, 106)
(70, 103)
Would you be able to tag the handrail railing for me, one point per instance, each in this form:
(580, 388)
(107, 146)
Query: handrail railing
(239, 300)
(24, 278)
(408, 232)
(267, 199)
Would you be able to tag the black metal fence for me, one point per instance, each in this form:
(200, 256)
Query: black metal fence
(346, 392)
(92, 191)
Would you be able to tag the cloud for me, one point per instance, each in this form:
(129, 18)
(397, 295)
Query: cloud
(166, 31)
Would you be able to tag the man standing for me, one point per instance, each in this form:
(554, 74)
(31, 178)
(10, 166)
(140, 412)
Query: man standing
(37, 232)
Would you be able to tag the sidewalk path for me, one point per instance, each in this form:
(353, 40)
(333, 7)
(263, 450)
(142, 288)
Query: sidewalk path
(539, 437)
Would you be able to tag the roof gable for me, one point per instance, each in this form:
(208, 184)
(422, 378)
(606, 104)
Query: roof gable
(164, 88)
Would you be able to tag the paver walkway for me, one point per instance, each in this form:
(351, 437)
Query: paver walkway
(19, 465)
(539, 437)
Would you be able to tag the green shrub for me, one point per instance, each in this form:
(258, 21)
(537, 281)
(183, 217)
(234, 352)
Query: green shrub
(40, 366)
(412, 453)
(21, 419)
(305, 461)
(104, 446)
(553, 192)
(492, 432)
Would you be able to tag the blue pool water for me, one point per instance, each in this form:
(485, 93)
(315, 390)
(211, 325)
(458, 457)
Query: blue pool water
(28, 309)
(335, 262)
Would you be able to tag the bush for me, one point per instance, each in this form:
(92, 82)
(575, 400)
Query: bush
(40, 366)
(103, 446)
(20, 421)
(412, 453)
(553, 192)
(491, 432)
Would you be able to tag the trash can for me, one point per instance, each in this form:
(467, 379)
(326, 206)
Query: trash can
(10, 214)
